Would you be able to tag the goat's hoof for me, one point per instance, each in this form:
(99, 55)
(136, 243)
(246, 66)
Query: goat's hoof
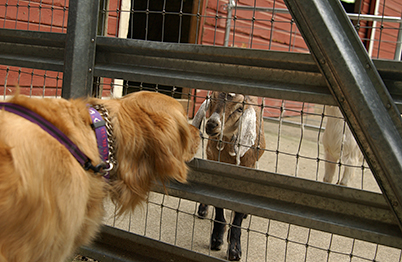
(234, 254)
(216, 243)
(217, 236)
(342, 183)
(202, 214)
(202, 211)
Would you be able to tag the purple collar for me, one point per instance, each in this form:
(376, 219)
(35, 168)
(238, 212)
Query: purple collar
(85, 162)
(99, 126)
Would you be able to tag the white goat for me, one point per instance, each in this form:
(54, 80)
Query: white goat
(236, 137)
(339, 143)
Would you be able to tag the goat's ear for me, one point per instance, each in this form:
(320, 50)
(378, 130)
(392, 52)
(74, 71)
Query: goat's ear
(199, 116)
(247, 133)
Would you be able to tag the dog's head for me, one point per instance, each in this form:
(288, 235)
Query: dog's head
(154, 142)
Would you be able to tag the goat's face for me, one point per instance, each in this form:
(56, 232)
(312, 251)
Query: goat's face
(233, 116)
(226, 109)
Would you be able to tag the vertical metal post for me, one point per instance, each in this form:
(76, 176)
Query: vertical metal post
(230, 7)
(398, 47)
(79, 54)
(358, 89)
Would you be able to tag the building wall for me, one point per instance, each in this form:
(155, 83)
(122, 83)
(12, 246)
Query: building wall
(261, 30)
(386, 33)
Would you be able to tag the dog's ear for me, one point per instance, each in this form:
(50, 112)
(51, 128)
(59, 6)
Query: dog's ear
(193, 143)
(154, 142)
(247, 133)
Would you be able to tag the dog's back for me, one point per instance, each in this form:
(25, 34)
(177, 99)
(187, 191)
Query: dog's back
(38, 175)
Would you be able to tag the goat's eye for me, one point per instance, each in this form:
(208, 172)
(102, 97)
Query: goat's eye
(240, 109)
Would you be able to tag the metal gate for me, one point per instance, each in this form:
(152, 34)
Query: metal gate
(293, 215)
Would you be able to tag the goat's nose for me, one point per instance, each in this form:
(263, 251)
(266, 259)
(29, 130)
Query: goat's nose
(211, 127)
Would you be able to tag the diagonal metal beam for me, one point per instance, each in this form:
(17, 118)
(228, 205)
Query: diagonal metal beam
(358, 89)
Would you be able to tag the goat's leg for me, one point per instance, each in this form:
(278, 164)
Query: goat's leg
(219, 229)
(234, 247)
(349, 171)
(329, 167)
(202, 210)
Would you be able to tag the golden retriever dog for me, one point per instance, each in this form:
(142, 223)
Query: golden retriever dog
(49, 204)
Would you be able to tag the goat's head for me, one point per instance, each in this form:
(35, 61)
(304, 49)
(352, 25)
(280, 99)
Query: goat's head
(231, 115)
(227, 112)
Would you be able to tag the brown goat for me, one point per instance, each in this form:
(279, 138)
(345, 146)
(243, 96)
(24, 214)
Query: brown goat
(236, 136)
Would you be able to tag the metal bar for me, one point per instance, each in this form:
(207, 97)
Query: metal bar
(229, 67)
(256, 8)
(398, 47)
(340, 210)
(281, 75)
(80, 48)
(378, 18)
(294, 123)
(208, 67)
(32, 49)
(358, 89)
(115, 245)
(228, 22)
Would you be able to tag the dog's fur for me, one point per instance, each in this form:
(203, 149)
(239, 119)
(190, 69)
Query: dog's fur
(49, 205)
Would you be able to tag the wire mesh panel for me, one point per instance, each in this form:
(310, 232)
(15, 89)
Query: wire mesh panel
(293, 134)
(49, 16)
(293, 129)
(45, 16)
(31, 82)
(264, 24)
(174, 221)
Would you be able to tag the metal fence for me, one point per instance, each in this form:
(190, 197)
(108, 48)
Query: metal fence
(249, 47)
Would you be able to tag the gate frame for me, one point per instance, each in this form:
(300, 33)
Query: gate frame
(341, 77)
